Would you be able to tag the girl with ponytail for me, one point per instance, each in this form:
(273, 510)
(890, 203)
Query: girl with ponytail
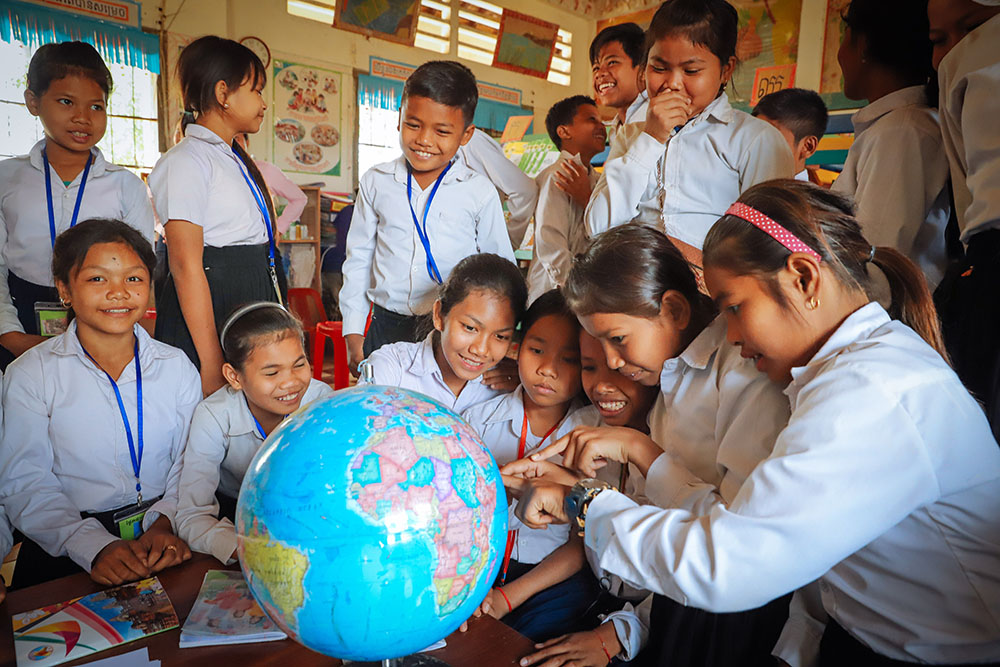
(882, 494)
(219, 219)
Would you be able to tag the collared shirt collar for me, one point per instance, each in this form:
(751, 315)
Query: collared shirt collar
(202, 133)
(68, 344)
(903, 97)
(397, 167)
(99, 166)
(698, 354)
(424, 363)
(242, 421)
(859, 325)
(574, 157)
(641, 98)
(719, 109)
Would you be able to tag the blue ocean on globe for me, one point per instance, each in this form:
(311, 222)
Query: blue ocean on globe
(371, 523)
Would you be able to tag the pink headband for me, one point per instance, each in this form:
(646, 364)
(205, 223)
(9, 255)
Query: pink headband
(771, 228)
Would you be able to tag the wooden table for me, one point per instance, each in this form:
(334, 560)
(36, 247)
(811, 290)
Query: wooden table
(488, 642)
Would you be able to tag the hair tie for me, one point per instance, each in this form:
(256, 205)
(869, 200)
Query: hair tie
(772, 229)
(240, 312)
(871, 255)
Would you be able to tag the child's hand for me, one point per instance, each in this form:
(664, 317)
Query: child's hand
(164, 549)
(503, 376)
(493, 605)
(583, 649)
(590, 448)
(543, 470)
(355, 351)
(539, 503)
(667, 109)
(572, 179)
(120, 561)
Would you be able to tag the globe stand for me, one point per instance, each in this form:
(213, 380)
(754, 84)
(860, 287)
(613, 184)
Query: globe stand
(415, 660)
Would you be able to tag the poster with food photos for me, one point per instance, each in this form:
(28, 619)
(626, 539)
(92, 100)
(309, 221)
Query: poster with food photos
(306, 108)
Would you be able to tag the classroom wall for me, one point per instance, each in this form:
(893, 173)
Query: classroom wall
(309, 42)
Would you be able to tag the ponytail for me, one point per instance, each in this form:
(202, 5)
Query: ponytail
(911, 300)
(824, 221)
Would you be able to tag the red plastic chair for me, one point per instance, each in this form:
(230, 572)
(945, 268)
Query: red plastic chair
(307, 305)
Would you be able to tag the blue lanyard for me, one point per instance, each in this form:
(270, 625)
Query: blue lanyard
(48, 194)
(432, 269)
(259, 198)
(136, 459)
(260, 429)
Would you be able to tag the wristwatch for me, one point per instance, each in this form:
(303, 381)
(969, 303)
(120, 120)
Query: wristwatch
(578, 501)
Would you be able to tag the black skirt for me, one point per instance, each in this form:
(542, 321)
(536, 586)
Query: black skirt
(682, 636)
(236, 275)
(839, 647)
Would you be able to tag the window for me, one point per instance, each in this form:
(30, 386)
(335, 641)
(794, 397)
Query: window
(131, 138)
(479, 27)
(433, 20)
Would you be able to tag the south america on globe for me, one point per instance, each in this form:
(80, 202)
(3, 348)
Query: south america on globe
(371, 523)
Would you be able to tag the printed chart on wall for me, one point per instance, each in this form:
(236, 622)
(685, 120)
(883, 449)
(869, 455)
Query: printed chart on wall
(307, 118)
(767, 49)
(831, 85)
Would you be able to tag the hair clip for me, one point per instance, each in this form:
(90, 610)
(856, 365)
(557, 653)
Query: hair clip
(772, 229)
(240, 313)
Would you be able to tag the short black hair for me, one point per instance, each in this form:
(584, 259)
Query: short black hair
(210, 59)
(72, 245)
(562, 113)
(801, 111)
(629, 35)
(709, 23)
(446, 82)
(896, 33)
(56, 61)
(552, 302)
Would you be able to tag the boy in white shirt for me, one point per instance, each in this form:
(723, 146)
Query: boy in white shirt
(618, 57)
(397, 257)
(801, 117)
(575, 127)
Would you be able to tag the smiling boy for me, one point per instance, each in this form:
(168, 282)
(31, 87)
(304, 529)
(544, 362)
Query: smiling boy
(417, 216)
(618, 58)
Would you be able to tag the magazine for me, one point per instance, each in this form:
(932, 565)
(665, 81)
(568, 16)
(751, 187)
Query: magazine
(226, 613)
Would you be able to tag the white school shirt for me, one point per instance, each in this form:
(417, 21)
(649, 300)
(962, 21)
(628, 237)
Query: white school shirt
(559, 230)
(413, 366)
(716, 418)
(636, 113)
(222, 441)
(386, 262)
(25, 242)
(885, 486)
(199, 180)
(685, 185)
(485, 156)
(898, 175)
(969, 78)
(64, 450)
(498, 422)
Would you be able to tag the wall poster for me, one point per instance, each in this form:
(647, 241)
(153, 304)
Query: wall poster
(768, 37)
(307, 121)
(525, 44)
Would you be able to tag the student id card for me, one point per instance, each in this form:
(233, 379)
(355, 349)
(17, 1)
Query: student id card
(52, 318)
(128, 521)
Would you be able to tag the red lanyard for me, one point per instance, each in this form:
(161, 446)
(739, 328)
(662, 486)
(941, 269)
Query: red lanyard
(512, 534)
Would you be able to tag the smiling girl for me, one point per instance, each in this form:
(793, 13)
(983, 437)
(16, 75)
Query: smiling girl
(63, 179)
(474, 320)
(268, 377)
(695, 153)
(219, 218)
(95, 421)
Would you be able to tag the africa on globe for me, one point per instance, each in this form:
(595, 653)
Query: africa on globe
(371, 523)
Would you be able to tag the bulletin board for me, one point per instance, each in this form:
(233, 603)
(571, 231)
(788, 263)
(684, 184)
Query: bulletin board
(306, 113)
(767, 48)
(831, 86)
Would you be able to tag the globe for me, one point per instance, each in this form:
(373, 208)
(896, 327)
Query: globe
(371, 524)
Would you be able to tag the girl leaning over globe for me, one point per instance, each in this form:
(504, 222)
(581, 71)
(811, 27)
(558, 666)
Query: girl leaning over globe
(96, 420)
(474, 321)
(268, 377)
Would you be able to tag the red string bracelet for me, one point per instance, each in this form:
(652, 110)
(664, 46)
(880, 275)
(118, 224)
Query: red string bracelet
(510, 607)
(603, 645)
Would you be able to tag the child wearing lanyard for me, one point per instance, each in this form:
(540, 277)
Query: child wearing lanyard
(95, 421)
(694, 153)
(546, 406)
(268, 377)
(416, 217)
(474, 320)
(219, 221)
(63, 179)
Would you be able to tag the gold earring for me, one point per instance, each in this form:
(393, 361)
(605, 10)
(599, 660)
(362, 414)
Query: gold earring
(64, 302)
(812, 303)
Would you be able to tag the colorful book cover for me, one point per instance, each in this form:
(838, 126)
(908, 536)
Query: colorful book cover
(82, 627)
(226, 613)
